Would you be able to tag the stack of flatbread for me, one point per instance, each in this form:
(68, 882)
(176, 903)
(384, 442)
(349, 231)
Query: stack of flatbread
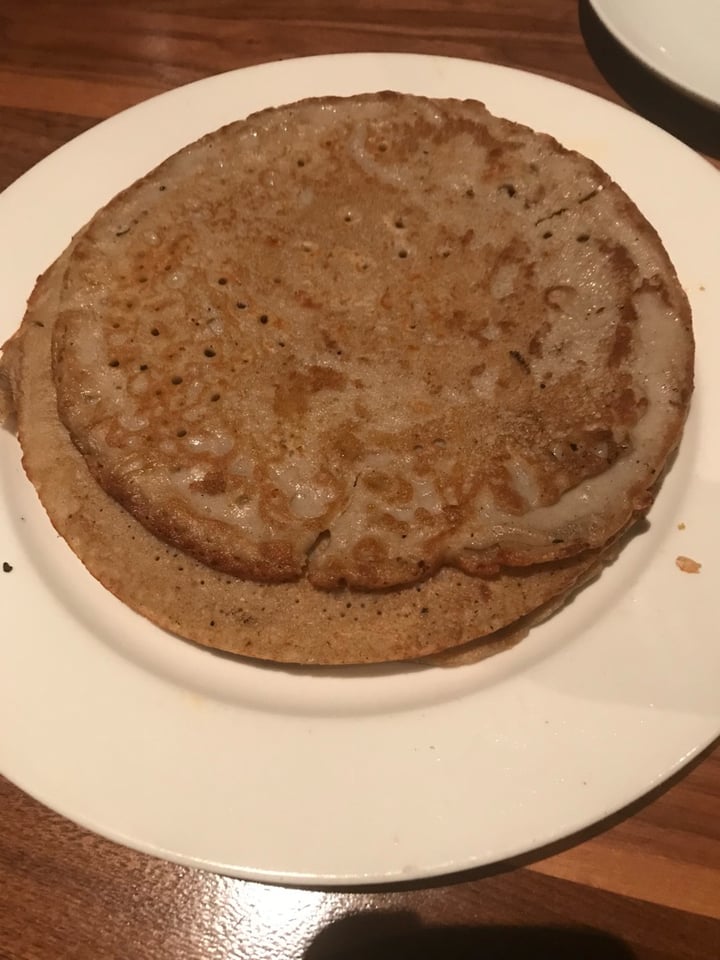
(354, 380)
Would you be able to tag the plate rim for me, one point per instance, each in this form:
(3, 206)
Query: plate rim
(645, 54)
(402, 871)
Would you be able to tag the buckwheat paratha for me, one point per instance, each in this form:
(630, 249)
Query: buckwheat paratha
(287, 622)
(354, 341)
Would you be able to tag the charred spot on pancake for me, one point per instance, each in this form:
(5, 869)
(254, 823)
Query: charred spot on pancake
(551, 216)
(517, 356)
(588, 196)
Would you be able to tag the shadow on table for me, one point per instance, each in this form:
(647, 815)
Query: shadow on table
(690, 120)
(402, 936)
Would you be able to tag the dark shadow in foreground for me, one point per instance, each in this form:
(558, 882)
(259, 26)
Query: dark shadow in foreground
(402, 936)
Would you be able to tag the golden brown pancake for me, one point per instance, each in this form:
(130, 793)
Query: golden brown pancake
(354, 381)
(356, 341)
(288, 622)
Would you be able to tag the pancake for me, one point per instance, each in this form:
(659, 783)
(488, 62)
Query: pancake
(363, 342)
(289, 622)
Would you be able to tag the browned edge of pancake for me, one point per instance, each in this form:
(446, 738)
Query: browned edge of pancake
(290, 623)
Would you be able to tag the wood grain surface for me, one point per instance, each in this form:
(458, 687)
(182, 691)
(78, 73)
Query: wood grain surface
(645, 884)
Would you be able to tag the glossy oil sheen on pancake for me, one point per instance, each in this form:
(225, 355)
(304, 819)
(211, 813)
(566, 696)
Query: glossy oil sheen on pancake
(358, 340)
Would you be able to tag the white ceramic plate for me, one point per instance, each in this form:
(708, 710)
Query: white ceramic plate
(678, 39)
(334, 776)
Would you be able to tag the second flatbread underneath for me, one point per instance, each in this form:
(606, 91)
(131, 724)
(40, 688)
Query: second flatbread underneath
(291, 622)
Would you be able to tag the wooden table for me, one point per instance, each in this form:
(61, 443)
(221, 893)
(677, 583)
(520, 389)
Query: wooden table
(647, 883)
